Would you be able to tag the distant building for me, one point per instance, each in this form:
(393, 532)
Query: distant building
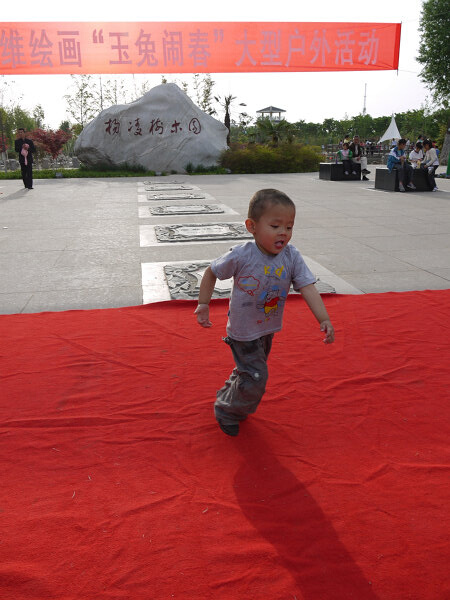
(273, 113)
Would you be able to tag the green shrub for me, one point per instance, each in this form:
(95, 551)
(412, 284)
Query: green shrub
(284, 158)
(202, 170)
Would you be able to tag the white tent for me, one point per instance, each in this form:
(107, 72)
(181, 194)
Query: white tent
(392, 132)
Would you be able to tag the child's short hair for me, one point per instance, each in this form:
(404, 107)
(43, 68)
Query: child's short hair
(401, 141)
(419, 145)
(262, 199)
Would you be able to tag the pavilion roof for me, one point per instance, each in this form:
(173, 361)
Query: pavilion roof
(271, 109)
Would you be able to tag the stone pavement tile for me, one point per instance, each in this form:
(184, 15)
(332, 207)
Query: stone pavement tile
(445, 273)
(369, 229)
(413, 225)
(336, 221)
(90, 276)
(406, 242)
(83, 299)
(31, 260)
(22, 279)
(20, 241)
(185, 251)
(101, 240)
(367, 261)
(311, 233)
(228, 217)
(13, 303)
(428, 259)
(113, 258)
(337, 244)
(396, 281)
(69, 278)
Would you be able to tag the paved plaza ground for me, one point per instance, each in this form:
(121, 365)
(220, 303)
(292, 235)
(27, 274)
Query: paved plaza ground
(90, 243)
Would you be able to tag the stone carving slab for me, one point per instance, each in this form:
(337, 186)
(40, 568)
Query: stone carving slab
(163, 182)
(200, 231)
(184, 282)
(156, 196)
(164, 188)
(186, 209)
(161, 131)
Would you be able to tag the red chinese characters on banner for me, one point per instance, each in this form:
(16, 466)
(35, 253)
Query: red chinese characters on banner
(45, 48)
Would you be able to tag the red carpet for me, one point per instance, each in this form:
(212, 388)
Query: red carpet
(116, 483)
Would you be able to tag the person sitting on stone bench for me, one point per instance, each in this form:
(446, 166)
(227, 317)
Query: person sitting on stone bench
(397, 162)
(345, 156)
(416, 156)
(430, 163)
(358, 156)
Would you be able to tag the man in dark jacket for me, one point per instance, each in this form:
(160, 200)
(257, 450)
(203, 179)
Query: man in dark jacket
(358, 156)
(25, 149)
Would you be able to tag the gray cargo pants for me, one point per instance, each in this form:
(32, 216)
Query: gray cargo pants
(246, 385)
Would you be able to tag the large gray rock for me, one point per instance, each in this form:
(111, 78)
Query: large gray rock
(162, 131)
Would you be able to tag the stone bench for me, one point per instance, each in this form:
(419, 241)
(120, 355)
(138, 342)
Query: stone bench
(388, 180)
(335, 172)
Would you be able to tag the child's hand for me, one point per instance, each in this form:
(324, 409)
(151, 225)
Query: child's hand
(329, 331)
(202, 312)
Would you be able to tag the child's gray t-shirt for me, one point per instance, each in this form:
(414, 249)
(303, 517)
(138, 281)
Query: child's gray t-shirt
(260, 287)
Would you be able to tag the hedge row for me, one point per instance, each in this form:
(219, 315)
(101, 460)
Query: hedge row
(285, 158)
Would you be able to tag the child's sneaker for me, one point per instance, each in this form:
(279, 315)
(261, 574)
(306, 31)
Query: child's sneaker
(229, 429)
(353, 172)
(400, 187)
(345, 172)
(411, 186)
(436, 189)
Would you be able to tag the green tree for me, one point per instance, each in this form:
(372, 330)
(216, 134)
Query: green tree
(206, 95)
(65, 126)
(275, 130)
(139, 89)
(81, 104)
(114, 92)
(434, 48)
(38, 116)
(225, 103)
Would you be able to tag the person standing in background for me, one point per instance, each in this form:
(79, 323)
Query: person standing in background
(25, 148)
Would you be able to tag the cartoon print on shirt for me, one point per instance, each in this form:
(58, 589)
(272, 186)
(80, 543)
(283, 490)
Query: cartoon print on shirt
(269, 300)
(273, 271)
(248, 284)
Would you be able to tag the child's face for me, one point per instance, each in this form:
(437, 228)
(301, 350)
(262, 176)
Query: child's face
(273, 230)
(401, 146)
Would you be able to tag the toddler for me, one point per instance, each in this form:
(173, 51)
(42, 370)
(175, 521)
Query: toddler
(262, 272)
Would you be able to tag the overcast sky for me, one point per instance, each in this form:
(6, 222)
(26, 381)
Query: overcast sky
(308, 96)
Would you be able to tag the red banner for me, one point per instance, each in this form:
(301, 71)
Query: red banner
(188, 47)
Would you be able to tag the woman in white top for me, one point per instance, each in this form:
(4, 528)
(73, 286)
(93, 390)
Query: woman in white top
(430, 163)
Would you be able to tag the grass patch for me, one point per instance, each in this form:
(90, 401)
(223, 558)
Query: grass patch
(79, 173)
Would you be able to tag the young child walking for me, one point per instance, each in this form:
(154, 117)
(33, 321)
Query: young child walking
(262, 272)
